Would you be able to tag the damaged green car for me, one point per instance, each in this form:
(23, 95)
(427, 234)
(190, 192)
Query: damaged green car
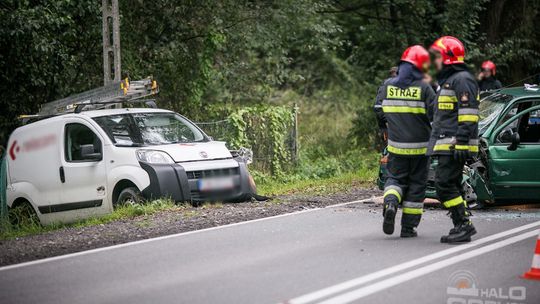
(507, 169)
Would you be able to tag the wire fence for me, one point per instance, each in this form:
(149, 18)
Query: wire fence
(257, 131)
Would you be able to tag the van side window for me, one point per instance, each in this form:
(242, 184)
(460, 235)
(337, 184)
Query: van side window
(81, 144)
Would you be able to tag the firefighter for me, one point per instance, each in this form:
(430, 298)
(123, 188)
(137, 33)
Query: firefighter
(454, 137)
(486, 78)
(405, 101)
(381, 121)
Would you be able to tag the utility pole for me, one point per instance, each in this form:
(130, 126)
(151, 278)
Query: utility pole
(112, 71)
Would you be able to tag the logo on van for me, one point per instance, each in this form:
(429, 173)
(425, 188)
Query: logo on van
(14, 149)
(31, 145)
(203, 154)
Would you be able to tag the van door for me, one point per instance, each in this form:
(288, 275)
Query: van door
(83, 171)
(514, 173)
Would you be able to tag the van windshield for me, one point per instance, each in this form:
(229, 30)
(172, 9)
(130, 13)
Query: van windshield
(149, 129)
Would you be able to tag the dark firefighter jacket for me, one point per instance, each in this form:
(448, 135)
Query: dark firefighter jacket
(489, 84)
(405, 103)
(381, 120)
(455, 121)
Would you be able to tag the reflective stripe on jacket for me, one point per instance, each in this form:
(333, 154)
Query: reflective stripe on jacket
(406, 110)
(455, 121)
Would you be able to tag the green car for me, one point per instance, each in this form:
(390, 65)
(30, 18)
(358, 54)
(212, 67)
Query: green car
(507, 168)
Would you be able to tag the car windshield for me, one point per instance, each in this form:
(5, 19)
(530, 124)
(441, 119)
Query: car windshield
(490, 108)
(149, 129)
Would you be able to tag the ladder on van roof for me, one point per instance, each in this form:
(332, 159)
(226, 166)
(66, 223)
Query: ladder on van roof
(112, 95)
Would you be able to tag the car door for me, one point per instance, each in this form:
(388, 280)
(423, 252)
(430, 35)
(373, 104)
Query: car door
(514, 173)
(83, 171)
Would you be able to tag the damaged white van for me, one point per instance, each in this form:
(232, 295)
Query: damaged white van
(76, 165)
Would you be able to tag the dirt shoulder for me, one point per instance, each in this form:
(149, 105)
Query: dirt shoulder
(75, 239)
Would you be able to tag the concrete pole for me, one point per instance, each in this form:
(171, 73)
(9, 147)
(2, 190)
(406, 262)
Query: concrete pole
(112, 71)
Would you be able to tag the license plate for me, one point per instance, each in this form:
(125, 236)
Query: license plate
(212, 184)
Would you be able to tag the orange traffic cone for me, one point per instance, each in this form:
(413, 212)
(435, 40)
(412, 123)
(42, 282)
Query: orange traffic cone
(534, 272)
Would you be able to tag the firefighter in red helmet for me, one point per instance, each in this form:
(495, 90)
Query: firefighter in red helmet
(405, 101)
(454, 138)
(486, 77)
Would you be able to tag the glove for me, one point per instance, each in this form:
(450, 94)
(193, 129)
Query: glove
(461, 155)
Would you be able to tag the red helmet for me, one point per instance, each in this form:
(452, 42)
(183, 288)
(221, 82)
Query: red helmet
(451, 49)
(417, 55)
(489, 65)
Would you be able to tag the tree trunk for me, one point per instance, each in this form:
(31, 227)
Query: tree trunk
(493, 19)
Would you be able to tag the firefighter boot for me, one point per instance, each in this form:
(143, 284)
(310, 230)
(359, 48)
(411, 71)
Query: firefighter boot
(463, 227)
(389, 212)
(412, 214)
(408, 232)
(455, 222)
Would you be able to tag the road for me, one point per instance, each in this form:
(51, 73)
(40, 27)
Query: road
(332, 255)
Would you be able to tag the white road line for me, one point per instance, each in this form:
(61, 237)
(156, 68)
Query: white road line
(329, 291)
(384, 284)
(80, 253)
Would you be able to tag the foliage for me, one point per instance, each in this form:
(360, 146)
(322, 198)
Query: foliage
(317, 169)
(48, 49)
(266, 130)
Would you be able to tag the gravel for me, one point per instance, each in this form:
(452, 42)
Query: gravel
(70, 240)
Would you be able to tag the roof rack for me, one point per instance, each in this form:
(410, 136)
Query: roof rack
(112, 95)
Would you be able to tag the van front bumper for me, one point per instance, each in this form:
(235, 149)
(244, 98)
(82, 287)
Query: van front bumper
(180, 181)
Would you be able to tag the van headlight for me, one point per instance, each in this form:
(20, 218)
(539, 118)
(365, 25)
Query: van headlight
(244, 155)
(154, 157)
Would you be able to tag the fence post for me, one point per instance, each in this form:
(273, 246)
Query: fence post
(3, 185)
(295, 133)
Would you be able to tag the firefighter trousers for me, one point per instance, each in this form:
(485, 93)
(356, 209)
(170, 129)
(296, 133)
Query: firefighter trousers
(406, 184)
(448, 179)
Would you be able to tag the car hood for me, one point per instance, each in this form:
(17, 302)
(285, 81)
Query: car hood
(184, 152)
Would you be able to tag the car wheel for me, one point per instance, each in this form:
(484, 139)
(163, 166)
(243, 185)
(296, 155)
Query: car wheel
(23, 215)
(129, 196)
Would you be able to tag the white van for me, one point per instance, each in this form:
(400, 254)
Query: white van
(77, 165)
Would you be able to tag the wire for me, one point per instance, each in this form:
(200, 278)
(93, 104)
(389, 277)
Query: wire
(510, 85)
(520, 81)
(211, 122)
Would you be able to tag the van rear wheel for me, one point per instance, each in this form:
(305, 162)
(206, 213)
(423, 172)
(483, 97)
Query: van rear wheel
(23, 214)
(129, 196)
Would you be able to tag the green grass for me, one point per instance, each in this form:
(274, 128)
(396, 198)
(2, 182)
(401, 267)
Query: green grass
(329, 185)
(32, 226)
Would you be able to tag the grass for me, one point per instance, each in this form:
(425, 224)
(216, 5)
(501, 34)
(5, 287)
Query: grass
(320, 186)
(32, 226)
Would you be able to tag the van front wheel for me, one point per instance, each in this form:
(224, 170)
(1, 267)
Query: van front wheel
(129, 196)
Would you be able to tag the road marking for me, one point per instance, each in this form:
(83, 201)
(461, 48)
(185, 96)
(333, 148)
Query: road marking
(393, 281)
(329, 291)
(80, 253)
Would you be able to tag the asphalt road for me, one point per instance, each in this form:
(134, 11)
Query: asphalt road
(332, 255)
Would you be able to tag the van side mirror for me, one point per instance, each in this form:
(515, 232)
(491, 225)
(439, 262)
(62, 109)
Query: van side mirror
(87, 153)
(515, 141)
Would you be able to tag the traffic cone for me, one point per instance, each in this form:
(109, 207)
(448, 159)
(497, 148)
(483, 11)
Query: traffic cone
(534, 272)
